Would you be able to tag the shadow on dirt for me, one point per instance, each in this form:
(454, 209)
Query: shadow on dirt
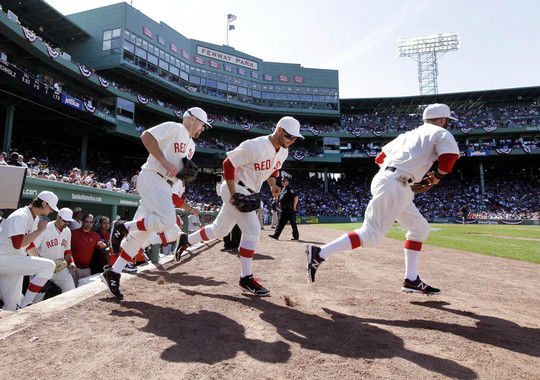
(205, 336)
(494, 331)
(341, 334)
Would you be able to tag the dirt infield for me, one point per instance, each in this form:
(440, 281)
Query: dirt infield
(353, 322)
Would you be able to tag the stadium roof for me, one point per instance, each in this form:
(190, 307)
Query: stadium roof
(459, 100)
(45, 21)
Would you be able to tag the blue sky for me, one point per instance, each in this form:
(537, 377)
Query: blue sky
(500, 40)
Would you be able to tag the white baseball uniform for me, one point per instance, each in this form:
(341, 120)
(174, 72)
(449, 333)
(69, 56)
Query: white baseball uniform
(156, 212)
(254, 161)
(14, 264)
(411, 154)
(55, 244)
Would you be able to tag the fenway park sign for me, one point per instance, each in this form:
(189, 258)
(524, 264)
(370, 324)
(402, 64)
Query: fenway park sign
(226, 57)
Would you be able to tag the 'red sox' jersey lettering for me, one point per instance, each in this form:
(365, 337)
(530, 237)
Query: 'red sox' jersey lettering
(180, 148)
(265, 165)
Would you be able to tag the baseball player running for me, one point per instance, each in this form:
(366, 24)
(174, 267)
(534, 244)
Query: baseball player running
(55, 244)
(20, 229)
(179, 201)
(168, 147)
(403, 161)
(245, 169)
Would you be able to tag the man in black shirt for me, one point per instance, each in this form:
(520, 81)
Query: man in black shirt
(288, 200)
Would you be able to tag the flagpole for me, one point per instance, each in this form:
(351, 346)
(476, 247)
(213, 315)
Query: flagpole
(227, 33)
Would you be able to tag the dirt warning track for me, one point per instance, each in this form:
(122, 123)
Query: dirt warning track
(353, 322)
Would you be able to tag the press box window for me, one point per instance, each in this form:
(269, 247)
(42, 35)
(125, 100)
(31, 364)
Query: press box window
(111, 40)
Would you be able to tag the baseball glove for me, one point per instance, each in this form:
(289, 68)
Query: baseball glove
(424, 185)
(189, 171)
(246, 203)
(60, 264)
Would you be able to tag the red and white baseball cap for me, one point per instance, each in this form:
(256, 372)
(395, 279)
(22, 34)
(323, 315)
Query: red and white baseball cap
(290, 125)
(50, 198)
(66, 214)
(436, 111)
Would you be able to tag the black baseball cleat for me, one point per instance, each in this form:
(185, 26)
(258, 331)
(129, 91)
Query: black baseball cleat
(112, 280)
(274, 237)
(295, 238)
(251, 285)
(119, 231)
(129, 268)
(183, 243)
(419, 286)
(314, 260)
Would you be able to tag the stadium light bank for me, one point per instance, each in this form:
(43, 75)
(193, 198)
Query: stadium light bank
(426, 50)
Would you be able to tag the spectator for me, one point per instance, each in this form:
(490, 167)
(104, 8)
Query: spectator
(77, 216)
(3, 158)
(20, 159)
(194, 223)
(14, 159)
(111, 184)
(125, 185)
(84, 242)
(32, 163)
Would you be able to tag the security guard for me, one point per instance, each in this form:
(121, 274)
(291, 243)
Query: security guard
(288, 200)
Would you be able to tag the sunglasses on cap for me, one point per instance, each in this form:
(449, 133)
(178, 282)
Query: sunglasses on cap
(88, 221)
(288, 136)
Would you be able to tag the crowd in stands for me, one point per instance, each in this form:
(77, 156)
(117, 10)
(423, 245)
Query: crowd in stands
(504, 198)
(102, 175)
(497, 116)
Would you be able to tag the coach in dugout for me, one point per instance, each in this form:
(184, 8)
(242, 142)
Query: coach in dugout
(84, 242)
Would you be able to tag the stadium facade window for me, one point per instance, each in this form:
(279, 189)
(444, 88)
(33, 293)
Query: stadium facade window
(222, 86)
(174, 71)
(140, 52)
(211, 83)
(111, 40)
(184, 75)
(128, 46)
(194, 79)
(256, 94)
(153, 59)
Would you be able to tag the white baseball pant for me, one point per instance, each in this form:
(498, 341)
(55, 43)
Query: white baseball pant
(156, 209)
(392, 200)
(63, 280)
(12, 270)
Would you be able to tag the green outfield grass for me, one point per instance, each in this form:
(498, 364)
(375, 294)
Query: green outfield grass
(462, 237)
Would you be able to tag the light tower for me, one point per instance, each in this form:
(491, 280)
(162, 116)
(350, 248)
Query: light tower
(426, 50)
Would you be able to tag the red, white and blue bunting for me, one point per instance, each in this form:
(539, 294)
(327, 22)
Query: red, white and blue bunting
(489, 129)
(30, 36)
(103, 82)
(466, 130)
(142, 100)
(210, 121)
(87, 73)
(245, 127)
(377, 133)
(52, 53)
(526, 149)
(314, 131)
(504, 150)
(357, 132)
(470, 221)
(179, 114)
(89, 107)
(299, 156)
(514, 222)
(371, 153)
